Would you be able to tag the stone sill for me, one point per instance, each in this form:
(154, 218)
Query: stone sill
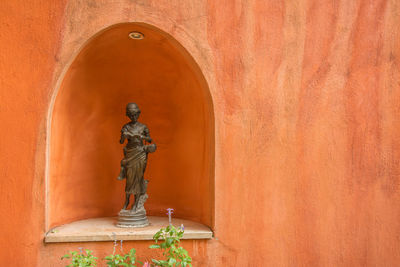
(104, 229)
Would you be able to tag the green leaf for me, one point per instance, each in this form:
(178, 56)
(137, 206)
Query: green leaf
(169, 241)
(171, 261)
(154, 246)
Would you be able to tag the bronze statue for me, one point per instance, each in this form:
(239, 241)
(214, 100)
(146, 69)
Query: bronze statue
(133, 166)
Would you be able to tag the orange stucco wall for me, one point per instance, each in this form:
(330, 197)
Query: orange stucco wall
(89, 112)
(307, 144)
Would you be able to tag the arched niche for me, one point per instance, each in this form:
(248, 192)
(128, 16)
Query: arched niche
(89, 110)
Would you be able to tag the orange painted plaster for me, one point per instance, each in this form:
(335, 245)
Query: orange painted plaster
(306, 100)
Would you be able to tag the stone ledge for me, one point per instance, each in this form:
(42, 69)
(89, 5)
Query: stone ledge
(104, 229)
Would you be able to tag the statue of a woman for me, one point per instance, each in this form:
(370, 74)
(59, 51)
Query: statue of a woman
(134, 162)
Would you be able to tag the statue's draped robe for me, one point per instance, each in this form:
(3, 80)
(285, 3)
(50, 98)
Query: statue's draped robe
(135, 160)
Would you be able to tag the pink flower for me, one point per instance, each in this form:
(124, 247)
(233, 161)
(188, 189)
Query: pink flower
(146, 264)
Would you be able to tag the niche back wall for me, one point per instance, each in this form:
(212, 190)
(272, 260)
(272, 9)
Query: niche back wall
(162, 78)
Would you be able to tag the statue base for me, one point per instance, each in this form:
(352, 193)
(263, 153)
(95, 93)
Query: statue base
(130, 219)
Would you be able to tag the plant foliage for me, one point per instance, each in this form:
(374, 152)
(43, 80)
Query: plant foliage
(175, 255)
(126, 260)
(166, 239)
(80, 259)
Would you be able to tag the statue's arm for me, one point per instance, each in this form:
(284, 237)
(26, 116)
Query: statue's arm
(123, 136)
(146, 135)
(148, 148)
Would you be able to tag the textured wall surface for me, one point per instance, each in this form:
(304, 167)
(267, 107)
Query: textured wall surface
(30, 35)
(306, 99)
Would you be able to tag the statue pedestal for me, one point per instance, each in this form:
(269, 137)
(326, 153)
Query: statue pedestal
(129, 218)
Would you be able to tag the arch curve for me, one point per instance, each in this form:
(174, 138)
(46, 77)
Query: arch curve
(88, 112)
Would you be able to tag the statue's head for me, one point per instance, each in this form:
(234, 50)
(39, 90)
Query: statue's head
(132, 111)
